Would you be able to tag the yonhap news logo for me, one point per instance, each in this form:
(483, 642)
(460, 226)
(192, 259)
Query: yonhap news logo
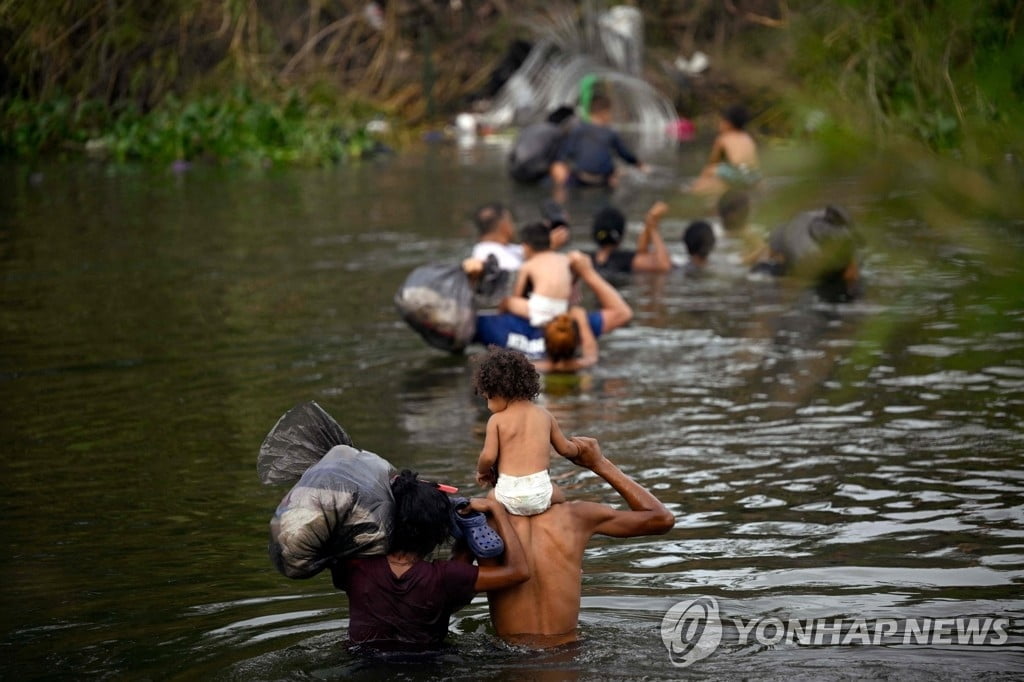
(692, 630)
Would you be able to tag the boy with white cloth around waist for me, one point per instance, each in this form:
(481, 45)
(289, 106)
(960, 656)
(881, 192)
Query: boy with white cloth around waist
(544, 283)
(520, 434)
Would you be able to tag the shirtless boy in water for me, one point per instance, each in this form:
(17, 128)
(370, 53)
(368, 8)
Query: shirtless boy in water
(520, 435)
(733, 161)
(544, 283)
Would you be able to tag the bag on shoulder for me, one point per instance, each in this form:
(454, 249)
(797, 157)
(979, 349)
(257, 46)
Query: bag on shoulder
(340, 504)
(298, 440)
(341, 507)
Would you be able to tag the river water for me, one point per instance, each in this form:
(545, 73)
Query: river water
(859, 461)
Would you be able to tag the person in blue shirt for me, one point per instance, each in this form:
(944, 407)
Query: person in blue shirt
(587, 156)
(567, 343)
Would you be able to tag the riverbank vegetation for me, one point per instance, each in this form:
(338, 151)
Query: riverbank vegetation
(298, 81)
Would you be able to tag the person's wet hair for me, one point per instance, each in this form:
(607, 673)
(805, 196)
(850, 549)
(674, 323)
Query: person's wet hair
(561, 337)
(609, 226)
(737, 116)
(536, 235)
(421, 519)
(699, 239)
(734, 209)
(506, 373)
(486, 217)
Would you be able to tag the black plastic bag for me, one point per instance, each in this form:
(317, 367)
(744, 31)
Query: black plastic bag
(493, 285)
(436, 300)
(341, 507)
(298, 440)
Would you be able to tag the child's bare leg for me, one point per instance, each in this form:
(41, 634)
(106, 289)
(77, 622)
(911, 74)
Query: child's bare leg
(708, 183)
(557, 495)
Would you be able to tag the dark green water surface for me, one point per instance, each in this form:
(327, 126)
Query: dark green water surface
(857, 461)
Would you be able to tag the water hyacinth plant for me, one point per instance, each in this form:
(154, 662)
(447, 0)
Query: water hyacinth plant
(237, 127)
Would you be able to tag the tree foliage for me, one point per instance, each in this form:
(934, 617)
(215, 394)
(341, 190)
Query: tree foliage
(944, 73)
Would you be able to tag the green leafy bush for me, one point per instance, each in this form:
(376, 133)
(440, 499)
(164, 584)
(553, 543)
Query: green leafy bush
(237, 127)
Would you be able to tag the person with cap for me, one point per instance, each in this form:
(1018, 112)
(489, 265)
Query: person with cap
(651, 253)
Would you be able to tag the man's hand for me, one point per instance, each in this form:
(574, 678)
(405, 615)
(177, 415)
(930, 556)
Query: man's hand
(580, 262)
(646, 514)
(656, 212)
(474, 267)
(588, 452)
(559, 237)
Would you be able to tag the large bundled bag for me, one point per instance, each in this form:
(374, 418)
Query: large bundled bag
(437, 301)
(299, 439)
(341, 505)
(814, 241)
(820, 247)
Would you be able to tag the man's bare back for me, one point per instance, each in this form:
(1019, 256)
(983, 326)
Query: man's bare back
(554, 542)
(544, 611)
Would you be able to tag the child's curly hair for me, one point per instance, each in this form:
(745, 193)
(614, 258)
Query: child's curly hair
(561, 337)
(508, 374)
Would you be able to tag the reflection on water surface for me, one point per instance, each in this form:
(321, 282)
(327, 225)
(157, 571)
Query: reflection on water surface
(860, 461)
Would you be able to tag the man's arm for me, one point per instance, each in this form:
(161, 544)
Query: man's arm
(623, 150)
(589, 350)
(615, 312)
(646, 258)
(514, 569)
(646, 514)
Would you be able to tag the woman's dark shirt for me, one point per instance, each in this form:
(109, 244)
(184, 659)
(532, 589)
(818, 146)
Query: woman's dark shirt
(620, 262)
(409, 612)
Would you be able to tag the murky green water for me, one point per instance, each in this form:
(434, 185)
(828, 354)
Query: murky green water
(853, 462)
